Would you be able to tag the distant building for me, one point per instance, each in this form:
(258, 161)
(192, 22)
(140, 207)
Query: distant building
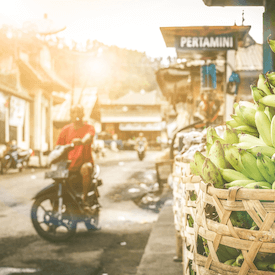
(134, 113)
(27, 80)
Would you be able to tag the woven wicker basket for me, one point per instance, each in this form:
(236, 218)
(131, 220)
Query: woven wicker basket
(186, 188)
(259, 204)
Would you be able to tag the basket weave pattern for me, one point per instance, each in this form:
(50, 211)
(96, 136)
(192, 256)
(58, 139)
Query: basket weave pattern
(259, 204)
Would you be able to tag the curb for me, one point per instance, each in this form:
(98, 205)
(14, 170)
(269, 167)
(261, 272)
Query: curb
(161, 247)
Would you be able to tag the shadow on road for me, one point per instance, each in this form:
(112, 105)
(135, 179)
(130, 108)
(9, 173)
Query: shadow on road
(88, 253)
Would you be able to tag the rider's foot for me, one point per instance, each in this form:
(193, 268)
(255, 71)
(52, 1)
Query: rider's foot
(87, 208)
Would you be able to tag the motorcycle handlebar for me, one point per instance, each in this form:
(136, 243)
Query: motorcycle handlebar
(59, 153)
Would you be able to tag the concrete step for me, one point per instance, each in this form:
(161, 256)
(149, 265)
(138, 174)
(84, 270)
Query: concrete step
(161, 247)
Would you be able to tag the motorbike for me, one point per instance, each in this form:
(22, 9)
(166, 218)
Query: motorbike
(15, 158)
(58, 208)
(141, 150)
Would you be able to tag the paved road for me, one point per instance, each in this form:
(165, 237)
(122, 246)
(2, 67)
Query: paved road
(115, 250)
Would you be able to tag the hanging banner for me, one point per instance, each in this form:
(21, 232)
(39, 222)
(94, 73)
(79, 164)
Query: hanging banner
(17, 111)
(3, 100)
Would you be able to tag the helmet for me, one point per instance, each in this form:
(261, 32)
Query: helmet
(77, 112)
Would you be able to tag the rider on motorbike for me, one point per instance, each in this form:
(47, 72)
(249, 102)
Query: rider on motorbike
(81, 135)
(142, 139)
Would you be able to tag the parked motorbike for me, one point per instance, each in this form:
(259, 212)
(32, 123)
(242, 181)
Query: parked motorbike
(141, 150)
(15, 158)
(58, 208)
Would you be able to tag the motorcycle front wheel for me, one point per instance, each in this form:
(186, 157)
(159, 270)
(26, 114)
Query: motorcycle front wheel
(48, 224)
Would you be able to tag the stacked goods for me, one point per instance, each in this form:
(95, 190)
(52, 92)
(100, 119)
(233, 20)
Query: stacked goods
(236, 227)
(185, 189)
(192, 141)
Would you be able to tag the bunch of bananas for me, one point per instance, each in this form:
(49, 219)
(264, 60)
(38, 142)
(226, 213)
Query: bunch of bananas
(244, 156)
(265, 265)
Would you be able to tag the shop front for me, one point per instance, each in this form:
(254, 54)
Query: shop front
(207, 55)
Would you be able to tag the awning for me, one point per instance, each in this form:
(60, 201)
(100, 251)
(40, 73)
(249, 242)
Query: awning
(140, 126)
(224, 3)
(172, 80)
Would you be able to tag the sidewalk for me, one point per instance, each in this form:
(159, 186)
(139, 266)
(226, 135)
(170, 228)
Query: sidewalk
(161, 247)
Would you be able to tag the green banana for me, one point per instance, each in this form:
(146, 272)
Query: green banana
(263, 125)
(248, 115)
(216, 155)
(273, 185)
(272, 267)
(230, 136)
(258, 185)
(247, 104)
(225, 253)
(250, 139)
(196, 164)
(211, 134)
(246, 129)
(237, 109)
(263, 85)
(250, 165)
(267, 167)
(230, 175)
(254, 227)
(272, 130)
(232, 123)
(239, 120)
(257, 94)
(263, 265)
(230, 262)
(268, 100)
(270, 112)
(271, 44)
(208, 147)
(244, 145)
(211, 174)
(271, 78)
(266, 150)
(239, 183)
(232, 155)
(234, 264)
(239, 260)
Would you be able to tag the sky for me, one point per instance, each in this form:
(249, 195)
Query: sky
(130, 24)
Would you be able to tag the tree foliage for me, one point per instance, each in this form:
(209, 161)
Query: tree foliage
(113, 70)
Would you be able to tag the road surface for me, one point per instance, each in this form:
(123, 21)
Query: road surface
(114, 250)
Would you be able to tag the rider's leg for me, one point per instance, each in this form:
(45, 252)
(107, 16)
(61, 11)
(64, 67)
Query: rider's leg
(86, 172)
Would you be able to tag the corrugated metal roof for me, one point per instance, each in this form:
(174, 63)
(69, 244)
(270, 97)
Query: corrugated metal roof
(249, 58)
(45, 77)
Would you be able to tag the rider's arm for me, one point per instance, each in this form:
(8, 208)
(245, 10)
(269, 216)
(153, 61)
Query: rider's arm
(87, 139)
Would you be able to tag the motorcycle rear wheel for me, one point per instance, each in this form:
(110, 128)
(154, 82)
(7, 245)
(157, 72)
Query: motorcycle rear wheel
(44, 216)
